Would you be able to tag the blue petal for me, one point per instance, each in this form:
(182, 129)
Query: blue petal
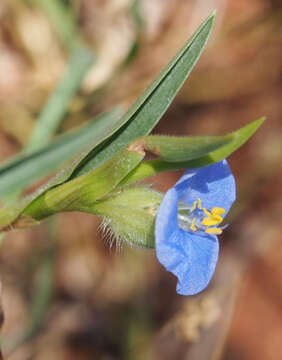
(189, 256)
(213, 184)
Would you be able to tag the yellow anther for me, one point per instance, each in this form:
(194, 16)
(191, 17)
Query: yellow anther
(214, 231)
(217, 210)
(193, 226)
(211, 219)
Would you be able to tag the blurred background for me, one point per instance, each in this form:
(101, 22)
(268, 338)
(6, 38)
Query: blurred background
(66, 293)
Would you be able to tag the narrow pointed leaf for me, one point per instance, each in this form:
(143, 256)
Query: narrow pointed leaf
(50, 118)
(153, 167)
(77, 194)
(25, 169)
(177, 149)
(138, 121)
(74, 195)
(147, 110)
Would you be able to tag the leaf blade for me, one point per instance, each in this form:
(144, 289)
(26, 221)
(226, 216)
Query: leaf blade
(156, 166)
(52, 114)
(184, 148)
(24, 169)
(147, 110)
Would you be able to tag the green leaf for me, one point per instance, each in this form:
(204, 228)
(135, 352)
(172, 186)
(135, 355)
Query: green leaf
(153, 167)
(80, 61)
(145, 113)
(54, 110)
(138, 121)
(27, 168)
(177, 149)
(75, 195)
(137, 14)
(79, 193)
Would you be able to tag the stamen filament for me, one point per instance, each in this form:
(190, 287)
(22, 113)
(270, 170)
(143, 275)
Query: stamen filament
(194, 206)
(193, 226)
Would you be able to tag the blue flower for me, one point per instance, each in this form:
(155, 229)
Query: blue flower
(187, 224)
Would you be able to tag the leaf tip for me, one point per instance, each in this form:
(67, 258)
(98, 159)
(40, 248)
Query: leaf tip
(209, 20)
(260, 120)
(213, 14)
(257, 123)
(211, 17)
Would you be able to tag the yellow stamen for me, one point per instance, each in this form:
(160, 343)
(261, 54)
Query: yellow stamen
(194, 206)
(214, 231)
(211, 219)
(207, 212)
(217, 210)
(193, 226)
(200, 204)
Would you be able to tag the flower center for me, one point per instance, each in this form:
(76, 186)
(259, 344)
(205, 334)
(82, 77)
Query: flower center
(199, 218)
